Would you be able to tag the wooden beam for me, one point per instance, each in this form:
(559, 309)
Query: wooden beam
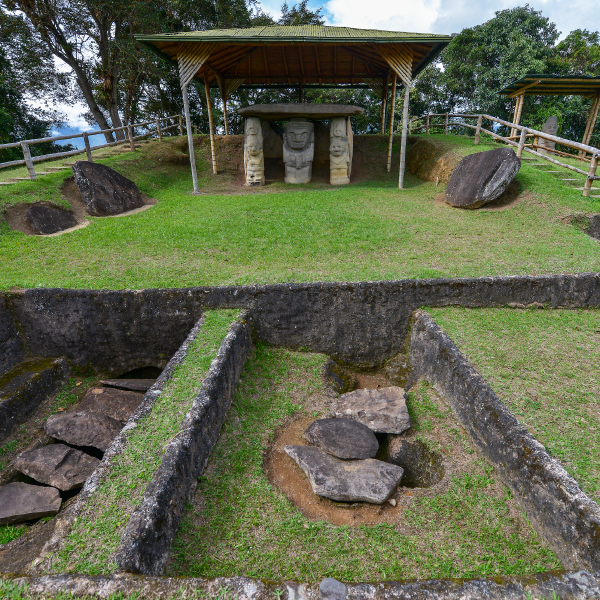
(527, 87)
(403, 139)
(301, 65)
(392, 113)
(190, 59)
(591, 122)
(399, 59)
(318, 63)
(285, 64)
(188, 125)
(211, 127)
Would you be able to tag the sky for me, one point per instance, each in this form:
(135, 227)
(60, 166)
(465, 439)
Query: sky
(423, 16)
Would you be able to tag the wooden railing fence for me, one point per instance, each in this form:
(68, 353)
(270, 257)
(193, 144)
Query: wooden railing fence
(29, 161)
(448, 121)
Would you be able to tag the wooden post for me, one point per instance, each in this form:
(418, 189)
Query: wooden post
(225, 123)
(384, 90)
(427, 126)
(404, 131)
(159, 130)
(181, 120)
(446, 125)
(518, 111)
(392, 113)
(28, 161)
(587, 187)
(130, 135)
(195, 130)
(300, 93)
(591, 122)
(88, 148)
(478, 130)
(536, 141)
(211, 126)
(188, 125)
(410, 124)
(521, 142)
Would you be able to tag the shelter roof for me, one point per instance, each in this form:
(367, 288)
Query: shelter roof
(553, 85)
(320, 55)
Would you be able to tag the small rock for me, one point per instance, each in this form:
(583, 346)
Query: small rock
(392, 501)
(112, 402)
(57, 465)
(482, 177)
(83, 429)
(382, 410)
(104, 191)
(344, 438)
(44, 220)
(366, 480)
(332, 589)
(337, 378)
(135, 385)
(23, 502)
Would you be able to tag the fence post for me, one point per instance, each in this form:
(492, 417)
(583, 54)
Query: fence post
(159, 130)
(28, 161)
(427, 126)
(446, 125)
(521, 142)
(130, 135)
(478, 130)
(587, 188)
(180, 126)
(195, 130)
(88, 148)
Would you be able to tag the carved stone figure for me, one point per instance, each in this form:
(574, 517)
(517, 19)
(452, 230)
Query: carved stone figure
(339, 152)
(551, 127)
(298, 150)
(254, 160)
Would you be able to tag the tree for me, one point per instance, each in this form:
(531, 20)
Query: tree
(300, 14)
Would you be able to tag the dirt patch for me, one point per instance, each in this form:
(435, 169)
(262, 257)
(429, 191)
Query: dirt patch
(432, 160)
(512, 196)
(16, 218)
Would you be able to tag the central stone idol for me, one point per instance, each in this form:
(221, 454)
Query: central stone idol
(298, 150)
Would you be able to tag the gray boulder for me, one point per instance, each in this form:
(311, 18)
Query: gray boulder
(343, 438)
(57, 465)
(482, 177)
(45, 220)
(366, 480)
(104, 191)
(112, 402)
(83, 429)
(23, 502)
(382, 410)
(332, 589)
(135, 385)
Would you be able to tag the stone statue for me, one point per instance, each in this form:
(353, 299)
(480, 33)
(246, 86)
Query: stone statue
(298, 150)
(551, 127)
(339, 152)
(254, 160)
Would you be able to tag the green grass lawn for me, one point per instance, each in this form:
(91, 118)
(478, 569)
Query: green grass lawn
(545, 366)
(364, 231)
(240, 524)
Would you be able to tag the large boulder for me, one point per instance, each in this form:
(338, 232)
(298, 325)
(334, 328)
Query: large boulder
(104, 191)
(83, 429)
(112, 402)
(22, 502)
(482, 177)
(366, 480)
(383, 410)
(343, 438)
(57, 465)
(45, 220)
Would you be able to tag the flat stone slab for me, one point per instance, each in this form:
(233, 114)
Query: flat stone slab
(58, 465)
(482, 177)
(104, 191)
(279, 112)
(45, 220)
(83, 429)
(366, 480)
(382, 410)
(344, 438)
(135, 385)
(23, 502)
(112, 402)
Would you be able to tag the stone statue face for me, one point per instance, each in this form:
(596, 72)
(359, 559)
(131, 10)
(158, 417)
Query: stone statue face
(551, 125)
(252, 126)
(253, 148)
(298, 140)
(338, 127)
(337, 147)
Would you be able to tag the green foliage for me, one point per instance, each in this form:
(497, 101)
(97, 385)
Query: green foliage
(8, 533)
(300, 14)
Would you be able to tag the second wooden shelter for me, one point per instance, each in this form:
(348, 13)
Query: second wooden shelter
(300, 56)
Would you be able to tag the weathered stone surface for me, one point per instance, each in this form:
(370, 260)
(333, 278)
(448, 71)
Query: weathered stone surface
(423, 467)
(23, 502)
(382, 410)
(272, 142)
(366, 480)
(254, 159)
(298, 150)
(482, 177)
(337, 378)
(57, 465)
(44, 220)
(343, 438)
(332, 589)
(112, 402)
(135, 385)
(278, 112)
(339, 158)
(397, 369)
(83, 429)
(104, 191)
(551, 127)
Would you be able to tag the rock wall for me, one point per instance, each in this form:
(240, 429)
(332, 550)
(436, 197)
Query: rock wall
(11, 345)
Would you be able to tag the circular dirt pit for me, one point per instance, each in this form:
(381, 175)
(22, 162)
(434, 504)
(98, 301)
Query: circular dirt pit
(41, 218)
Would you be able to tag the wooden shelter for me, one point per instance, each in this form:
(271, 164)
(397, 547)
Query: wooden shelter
(297, 56)
(556, 85)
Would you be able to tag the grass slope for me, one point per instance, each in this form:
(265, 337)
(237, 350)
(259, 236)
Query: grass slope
(364, 231)
(545, 366)
(241, 525)
(95, 536)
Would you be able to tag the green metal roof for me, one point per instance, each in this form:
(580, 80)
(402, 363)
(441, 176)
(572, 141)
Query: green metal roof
(553, 85)
(295, 33)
